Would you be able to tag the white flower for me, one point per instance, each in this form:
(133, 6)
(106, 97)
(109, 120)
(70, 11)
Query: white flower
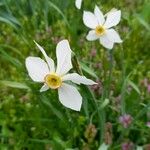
(101, 27)
(112, 10)
(78, 3)
(55, 78)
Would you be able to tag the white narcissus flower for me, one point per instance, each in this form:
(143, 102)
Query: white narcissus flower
(55, 78)
(78, 3)
(101, 27)
(112, 10)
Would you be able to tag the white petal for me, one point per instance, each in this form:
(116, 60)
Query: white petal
(90, 20)
(63, 53)
(113, 18)
(92, 36)
(48, 59)
(37, 68)
(99, 15)
(113, 36)
(76, 78)
(44, 88)
(106, 42)
(112, 10)
(70, 97)
(78, 3)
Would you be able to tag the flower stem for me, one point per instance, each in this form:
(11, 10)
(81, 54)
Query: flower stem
(123, 83)
(94, 101)
(111, 61)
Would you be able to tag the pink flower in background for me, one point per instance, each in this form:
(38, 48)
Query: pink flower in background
(93, 52)
(148, 124)
(148, 88)
(127, 146)
(125, 120)
(145, 82)
(97, 65)
(97, 88)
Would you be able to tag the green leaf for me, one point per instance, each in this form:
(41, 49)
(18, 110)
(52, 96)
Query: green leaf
(71, 149)
(11, 18)
(7, 22)
(103, 147)
(14, 49)
(1, 4)
(14, 84)
(129, 82)
(143, 22)
(139, 148)
(88, 70)
(40, 141)
(59, 11)
(46, 101)
(105, 103)
(11, 59)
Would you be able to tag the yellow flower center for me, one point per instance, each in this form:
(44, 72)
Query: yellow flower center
(100, 30)
(53, 80)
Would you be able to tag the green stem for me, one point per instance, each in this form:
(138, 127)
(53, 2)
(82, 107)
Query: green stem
(123, 105)
(94, 103)
(106, 93)
(110, 73)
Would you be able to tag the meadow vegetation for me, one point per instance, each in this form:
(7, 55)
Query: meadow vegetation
(116, 111)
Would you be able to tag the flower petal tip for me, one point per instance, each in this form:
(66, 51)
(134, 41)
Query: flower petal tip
(96, 7)
(95, 82)
(78, 4)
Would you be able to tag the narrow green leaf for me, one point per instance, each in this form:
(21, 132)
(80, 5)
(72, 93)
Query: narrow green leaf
(45, 100)
(129, 82)
(11, 19)
(1, 4)
(105, 103)
(143, 22)
(8, 22)
(139, 148)
(14, 84)
(59, 11)
(103, 147)
(11, 59)
(88, 70)
(14, 49)
(40, 141)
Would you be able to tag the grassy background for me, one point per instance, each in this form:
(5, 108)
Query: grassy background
(31, 120)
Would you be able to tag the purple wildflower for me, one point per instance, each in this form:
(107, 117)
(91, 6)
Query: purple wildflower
(125, 120)
(127, 146)
(148, 88)
(148, 124)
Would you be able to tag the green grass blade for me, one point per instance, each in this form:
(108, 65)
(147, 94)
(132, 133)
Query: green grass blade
(13, 84)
